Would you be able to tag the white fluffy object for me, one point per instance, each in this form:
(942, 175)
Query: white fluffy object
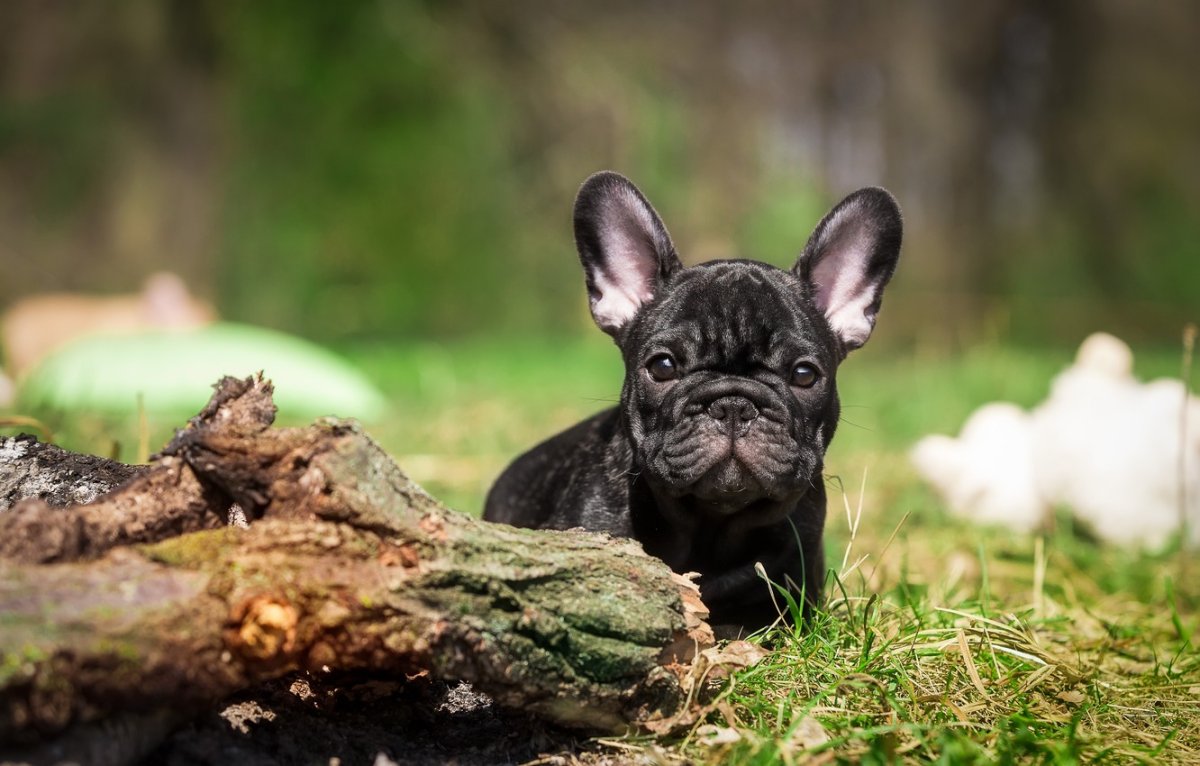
(987, 472)
(1103, 445)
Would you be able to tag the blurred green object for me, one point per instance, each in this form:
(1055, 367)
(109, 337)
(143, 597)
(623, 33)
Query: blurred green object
(174, 371)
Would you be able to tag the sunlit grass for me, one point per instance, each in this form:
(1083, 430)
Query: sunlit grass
(463, 411)
(945, 642)
(941, 641)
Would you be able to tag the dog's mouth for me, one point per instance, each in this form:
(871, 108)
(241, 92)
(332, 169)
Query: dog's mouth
(731, 477)
(728, 482)
(728, 445)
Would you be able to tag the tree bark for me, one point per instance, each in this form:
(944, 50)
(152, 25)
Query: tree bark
(32, 469)
(141, 600)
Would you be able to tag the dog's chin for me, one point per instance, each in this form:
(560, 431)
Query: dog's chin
(730, 487)
(727, 487)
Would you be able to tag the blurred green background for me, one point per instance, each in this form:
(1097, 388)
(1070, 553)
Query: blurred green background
(394, 179)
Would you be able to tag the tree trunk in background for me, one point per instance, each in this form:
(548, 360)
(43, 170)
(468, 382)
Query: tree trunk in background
(1045, 154)
(112, 153)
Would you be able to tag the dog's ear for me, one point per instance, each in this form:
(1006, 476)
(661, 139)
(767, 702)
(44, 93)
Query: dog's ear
(849, 259)
(625, 249)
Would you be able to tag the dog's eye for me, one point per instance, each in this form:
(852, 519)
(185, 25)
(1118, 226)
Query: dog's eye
(662, 368)
(804, 375)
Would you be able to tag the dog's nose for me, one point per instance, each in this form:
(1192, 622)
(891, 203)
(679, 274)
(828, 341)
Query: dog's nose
(735, 412)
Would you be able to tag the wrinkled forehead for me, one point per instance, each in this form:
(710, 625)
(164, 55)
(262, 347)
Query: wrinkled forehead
(736, 312)
(748, 292)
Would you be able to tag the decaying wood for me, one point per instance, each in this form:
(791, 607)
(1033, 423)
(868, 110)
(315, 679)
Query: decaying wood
(30, 469)
(347, 564)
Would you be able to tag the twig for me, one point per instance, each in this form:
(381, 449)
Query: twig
(24, 421)
(1189, 346)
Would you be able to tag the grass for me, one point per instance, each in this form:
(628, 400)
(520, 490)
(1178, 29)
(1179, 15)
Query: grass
(940, 642)
(964, 645)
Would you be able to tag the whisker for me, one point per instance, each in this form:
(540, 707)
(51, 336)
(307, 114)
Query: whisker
(856, 425)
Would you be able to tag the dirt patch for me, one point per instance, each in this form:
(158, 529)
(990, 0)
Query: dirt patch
(353, 719)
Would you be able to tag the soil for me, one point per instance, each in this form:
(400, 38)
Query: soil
(357, 720)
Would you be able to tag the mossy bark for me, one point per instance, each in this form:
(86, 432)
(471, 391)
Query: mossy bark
(346, 564)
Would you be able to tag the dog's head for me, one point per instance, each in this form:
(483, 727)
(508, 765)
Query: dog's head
(729, 394)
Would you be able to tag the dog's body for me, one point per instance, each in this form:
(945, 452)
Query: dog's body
(713, 460)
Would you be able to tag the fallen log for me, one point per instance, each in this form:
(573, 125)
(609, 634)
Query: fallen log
(30, 469)
(141, 600)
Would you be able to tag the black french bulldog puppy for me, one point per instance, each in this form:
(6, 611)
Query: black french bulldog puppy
(713, 460)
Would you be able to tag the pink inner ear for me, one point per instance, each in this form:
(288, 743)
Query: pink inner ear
(851, 322)
(626, 279)
(842, 290)
(623, 289)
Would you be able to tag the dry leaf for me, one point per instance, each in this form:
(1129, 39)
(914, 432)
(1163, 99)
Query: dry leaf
(1133, 667)
(713, 735)
(1072, 696)
(697, 633)
(809, 733)
(734, 655)
(711, 664)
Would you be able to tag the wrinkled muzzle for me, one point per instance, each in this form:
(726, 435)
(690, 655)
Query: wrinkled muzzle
(729, 441)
